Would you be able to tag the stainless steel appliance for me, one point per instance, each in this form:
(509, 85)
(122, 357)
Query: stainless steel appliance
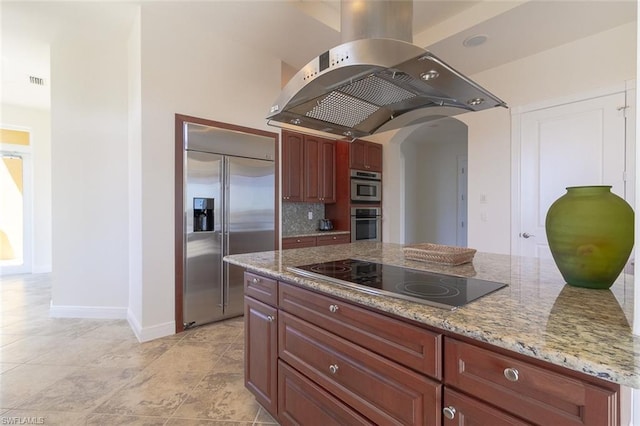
(366, 186)
(430, 288)
(229, 209)
(376, 81)
(366, 224)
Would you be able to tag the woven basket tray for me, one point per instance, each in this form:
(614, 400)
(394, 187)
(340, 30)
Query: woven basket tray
(436, 253)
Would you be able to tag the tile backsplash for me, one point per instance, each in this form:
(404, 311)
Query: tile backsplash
(295, 218)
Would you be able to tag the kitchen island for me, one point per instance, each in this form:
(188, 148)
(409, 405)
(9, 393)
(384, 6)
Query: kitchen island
(536, 316)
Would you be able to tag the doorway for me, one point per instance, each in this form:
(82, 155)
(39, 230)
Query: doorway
(434, 185)
(15, 202)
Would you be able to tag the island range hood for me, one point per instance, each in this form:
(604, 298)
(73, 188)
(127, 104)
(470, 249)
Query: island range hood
(376, 81)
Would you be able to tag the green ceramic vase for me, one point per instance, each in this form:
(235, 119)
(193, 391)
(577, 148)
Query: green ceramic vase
(590, 234)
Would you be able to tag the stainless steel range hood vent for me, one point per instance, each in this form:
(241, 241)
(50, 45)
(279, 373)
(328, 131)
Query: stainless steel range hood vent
(373, 85)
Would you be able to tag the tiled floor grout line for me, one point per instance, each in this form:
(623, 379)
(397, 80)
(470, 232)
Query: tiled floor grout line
(189, 394)
(65, 376)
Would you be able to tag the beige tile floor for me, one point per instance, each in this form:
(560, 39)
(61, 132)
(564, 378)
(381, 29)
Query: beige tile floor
(60, 371)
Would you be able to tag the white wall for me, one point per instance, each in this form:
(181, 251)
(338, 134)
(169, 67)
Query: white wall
(89, 185)
(39, 124)
(436, 183)
(412, 215)
(190, 70)
(603, 60)
(114, 99)
(600, 61)
(134, 153)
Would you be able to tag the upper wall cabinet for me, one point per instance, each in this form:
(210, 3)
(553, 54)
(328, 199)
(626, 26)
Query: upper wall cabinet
(292, 166)
(366, 156)
(319, 170)
(308, 168)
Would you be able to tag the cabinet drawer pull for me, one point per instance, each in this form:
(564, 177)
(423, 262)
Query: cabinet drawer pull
(297, 241)
(449, 412)
(511, 374)
(333, 368)
(270, 318)
(333, 308)
(255, 280)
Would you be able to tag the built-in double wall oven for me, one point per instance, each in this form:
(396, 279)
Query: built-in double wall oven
(366, 224)
(366, 212)
(366, 186)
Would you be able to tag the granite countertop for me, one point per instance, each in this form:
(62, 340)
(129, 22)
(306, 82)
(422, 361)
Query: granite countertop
(316, 234)
(536, 314)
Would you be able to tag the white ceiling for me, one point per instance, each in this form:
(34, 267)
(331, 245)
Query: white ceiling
(298, 30)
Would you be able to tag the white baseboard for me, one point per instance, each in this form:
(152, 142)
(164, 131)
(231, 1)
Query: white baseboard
(150, 333)
(96, 312)
(41, 269)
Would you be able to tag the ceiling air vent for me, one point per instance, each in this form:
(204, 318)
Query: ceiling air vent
(36, 80)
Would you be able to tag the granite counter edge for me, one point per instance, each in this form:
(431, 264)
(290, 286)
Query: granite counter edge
(439, 319)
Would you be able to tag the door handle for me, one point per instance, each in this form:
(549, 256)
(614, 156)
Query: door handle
(526, 235)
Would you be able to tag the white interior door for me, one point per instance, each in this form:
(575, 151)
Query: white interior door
(575, 144)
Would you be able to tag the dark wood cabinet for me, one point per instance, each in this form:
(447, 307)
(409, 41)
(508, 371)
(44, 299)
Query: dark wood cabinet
(298, 242)
(333, 362)
(340, 211)
(261, 288)
(319, 170)
(308, 168)
(463, 410)
(292, 167)
(261, 344)
(528, 391)
(322, 240)
(366, 155)
(404, 343)
(378, 388)
(302, 402)
(326, 240)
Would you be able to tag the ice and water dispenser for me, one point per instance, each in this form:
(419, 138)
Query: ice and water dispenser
(202, 214)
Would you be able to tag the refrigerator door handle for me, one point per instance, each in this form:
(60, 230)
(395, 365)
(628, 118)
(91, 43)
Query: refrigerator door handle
(225, 231)
(223, 240)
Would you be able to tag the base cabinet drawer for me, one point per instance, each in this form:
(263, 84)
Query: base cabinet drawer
(298, 242)
(301, 402)
(463, 410)
(261, 288)
(533, 393)
(326, 240)
(404, 343)
(377, 388)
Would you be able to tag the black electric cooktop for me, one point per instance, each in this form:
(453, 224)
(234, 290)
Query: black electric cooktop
(430, 288)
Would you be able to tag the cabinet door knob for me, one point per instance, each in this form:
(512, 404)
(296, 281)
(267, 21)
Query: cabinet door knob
(333, 308)
(270, 318)
(511, 374)
(333, 368)
(255, 280)
(449, 412)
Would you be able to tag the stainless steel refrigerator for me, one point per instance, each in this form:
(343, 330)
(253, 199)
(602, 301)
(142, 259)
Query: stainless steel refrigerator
(229, 209)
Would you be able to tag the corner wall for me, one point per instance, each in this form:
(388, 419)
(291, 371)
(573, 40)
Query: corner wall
(189, 70)
(89, 177)
(565, 70)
